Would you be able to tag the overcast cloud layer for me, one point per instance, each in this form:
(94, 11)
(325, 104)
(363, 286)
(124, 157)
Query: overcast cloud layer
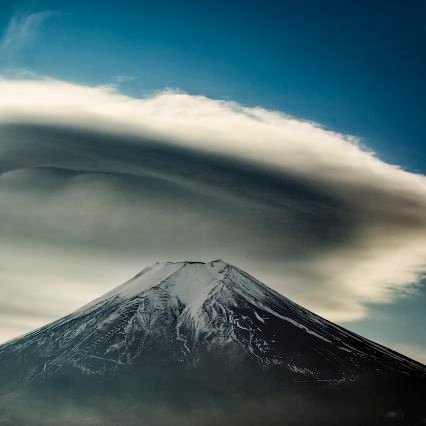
(95, 185)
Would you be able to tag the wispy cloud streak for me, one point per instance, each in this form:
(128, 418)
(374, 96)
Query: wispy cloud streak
(23, 29)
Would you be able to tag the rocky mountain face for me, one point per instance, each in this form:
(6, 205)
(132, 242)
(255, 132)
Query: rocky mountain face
(191, 343)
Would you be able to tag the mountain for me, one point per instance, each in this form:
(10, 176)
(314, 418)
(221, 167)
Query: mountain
(191, 343)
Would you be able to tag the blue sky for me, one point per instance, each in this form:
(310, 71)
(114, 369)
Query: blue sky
(357, 67)
(354, 67)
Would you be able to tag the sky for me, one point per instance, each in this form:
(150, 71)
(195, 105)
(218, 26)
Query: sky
(284, 137)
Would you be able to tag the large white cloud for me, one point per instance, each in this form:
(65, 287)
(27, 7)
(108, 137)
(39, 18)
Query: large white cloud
(96, 184)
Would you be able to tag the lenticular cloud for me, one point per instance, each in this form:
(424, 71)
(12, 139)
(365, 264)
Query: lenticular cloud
(95, 184)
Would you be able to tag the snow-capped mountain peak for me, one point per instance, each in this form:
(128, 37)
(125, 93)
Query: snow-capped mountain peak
(189, 282)
(184, 309)
(204, 331)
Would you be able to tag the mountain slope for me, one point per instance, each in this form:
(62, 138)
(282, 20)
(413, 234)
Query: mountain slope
(182, 321)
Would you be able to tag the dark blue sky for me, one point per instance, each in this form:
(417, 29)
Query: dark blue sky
(355, 67)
